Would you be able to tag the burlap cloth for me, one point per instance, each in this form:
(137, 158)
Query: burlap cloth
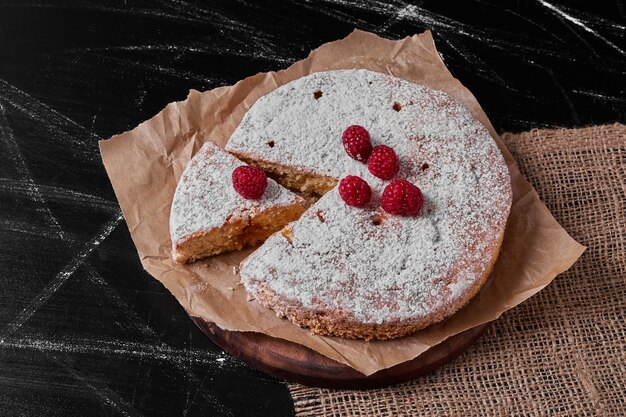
(562, 352)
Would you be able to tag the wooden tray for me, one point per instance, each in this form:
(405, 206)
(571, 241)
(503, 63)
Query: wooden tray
(296, 363)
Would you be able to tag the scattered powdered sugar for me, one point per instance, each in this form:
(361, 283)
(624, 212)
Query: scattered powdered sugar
(375, 267)
(205, 197)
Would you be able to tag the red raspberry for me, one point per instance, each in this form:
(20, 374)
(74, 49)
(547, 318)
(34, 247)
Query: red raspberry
(383, 162)
(354, 191)
(402, 197)
(357, 143)
(249, 182)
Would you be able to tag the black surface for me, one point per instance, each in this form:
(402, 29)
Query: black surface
(83, 329)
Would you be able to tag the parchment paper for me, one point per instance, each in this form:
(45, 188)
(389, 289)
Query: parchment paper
(144, 166)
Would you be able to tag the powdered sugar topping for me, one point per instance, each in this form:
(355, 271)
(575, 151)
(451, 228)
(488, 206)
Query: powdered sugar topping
(368, 265)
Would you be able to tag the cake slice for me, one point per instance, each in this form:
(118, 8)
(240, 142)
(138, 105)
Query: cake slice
(208, 217)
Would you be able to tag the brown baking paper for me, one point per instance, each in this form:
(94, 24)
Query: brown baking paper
(145, 163)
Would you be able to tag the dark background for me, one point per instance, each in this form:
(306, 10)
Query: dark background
(83, 329)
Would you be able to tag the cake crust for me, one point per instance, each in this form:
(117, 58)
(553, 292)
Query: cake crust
(337, 324)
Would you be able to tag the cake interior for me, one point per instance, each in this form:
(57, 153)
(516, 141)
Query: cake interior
(237, 233)
(295, 180)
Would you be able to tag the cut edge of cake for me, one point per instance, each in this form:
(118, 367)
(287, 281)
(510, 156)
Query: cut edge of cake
(293, 179)
(236, 233)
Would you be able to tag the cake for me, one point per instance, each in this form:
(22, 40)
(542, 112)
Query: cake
(361, 272)
(208, 217)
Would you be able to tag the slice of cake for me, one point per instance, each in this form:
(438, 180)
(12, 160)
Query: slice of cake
(381, 270)
(209, 217)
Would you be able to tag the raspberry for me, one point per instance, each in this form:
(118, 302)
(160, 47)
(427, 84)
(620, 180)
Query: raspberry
(354, 191)
(402, 197)
(356, 141)
(249, 182)
(383, 162)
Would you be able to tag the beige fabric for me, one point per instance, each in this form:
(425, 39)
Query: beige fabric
(563, 352)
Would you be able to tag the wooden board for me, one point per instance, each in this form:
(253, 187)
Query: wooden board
(297, 363)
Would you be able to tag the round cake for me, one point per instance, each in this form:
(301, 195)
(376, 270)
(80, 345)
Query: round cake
(361, 272)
